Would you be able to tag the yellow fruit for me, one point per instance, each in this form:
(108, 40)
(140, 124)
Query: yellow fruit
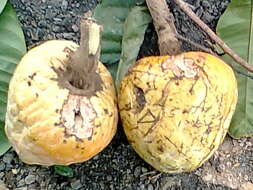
(176, 110)
(48, 124)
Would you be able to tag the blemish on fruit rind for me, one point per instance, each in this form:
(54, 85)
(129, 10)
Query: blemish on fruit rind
(78, 117)
(181, 66)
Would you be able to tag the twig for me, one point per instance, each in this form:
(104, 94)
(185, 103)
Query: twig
(195, 44)
(185, 7)
(164, 25)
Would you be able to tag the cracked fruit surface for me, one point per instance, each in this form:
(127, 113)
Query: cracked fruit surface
(48, 124)
(176, 110)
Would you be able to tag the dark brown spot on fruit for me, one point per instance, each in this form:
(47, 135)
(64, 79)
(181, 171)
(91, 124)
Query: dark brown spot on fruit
(140, 98)
(32, 76)
(64, 141)
(160, 148)
(106, 111)
(29, 83)
(184, 111)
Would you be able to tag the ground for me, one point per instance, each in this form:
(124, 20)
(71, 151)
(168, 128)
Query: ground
(118, 167)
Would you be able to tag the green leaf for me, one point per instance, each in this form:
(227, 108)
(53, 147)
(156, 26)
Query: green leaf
(12, 48)
(65, 171)
(2, 5)
(112, 14)
(4, 143)
(236, 29)
(134, 30)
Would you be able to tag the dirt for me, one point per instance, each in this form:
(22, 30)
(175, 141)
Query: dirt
(118, 167)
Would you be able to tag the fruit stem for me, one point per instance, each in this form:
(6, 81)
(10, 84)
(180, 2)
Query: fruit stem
(165, 28)
(84, 61)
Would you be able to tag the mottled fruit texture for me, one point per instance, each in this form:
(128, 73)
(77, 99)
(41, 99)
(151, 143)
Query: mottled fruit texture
(48, 125)
(176, 110)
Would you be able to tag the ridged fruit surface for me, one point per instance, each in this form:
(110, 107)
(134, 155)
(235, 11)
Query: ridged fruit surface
(48, 125)
(176, 110)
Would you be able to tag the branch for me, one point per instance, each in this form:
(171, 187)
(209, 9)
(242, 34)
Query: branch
(185, 7)
(164, 25)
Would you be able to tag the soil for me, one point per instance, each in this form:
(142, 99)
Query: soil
(118, 167)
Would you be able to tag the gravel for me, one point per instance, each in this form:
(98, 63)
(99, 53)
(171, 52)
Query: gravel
(118, 167)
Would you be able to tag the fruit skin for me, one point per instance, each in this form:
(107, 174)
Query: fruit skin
(40, 114)
(176, 110)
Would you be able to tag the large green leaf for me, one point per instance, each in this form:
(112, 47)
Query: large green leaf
(2, 5)
(112, 14)
(134, 30)
(12, 48)
(236, 29)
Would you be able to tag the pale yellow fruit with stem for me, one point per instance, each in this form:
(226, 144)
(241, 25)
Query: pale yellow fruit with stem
(62, 105)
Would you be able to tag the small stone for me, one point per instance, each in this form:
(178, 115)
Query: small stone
(142, 186)
(150, 187)
(64, 5)
(30, 179)
(56, 28)
(76, 184)
(111, 187)
(42, 23)
(14, 171)
(109, 178)
(67, 36)
(21, 183)
(75, 28)
(2, 166)
(144, 170)
(96, 157)
(137, 172)
(206, 4)
(1, 175)
(21, 188)
(8, 158)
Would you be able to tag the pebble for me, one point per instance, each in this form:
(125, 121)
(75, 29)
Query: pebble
(42, 24)
(109, 178)
(21, 183)
(144, 170)
(1, 175)
(142, 187)
(137, 172)
(64, 5)
(8, 158)
(30, 179)
(22, 188)
(150, 187)
(76, 184)
(75, 28)
(68, 36)
(2, 166)
(56, 29)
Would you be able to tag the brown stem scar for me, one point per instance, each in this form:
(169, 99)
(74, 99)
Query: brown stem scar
(80, 76)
